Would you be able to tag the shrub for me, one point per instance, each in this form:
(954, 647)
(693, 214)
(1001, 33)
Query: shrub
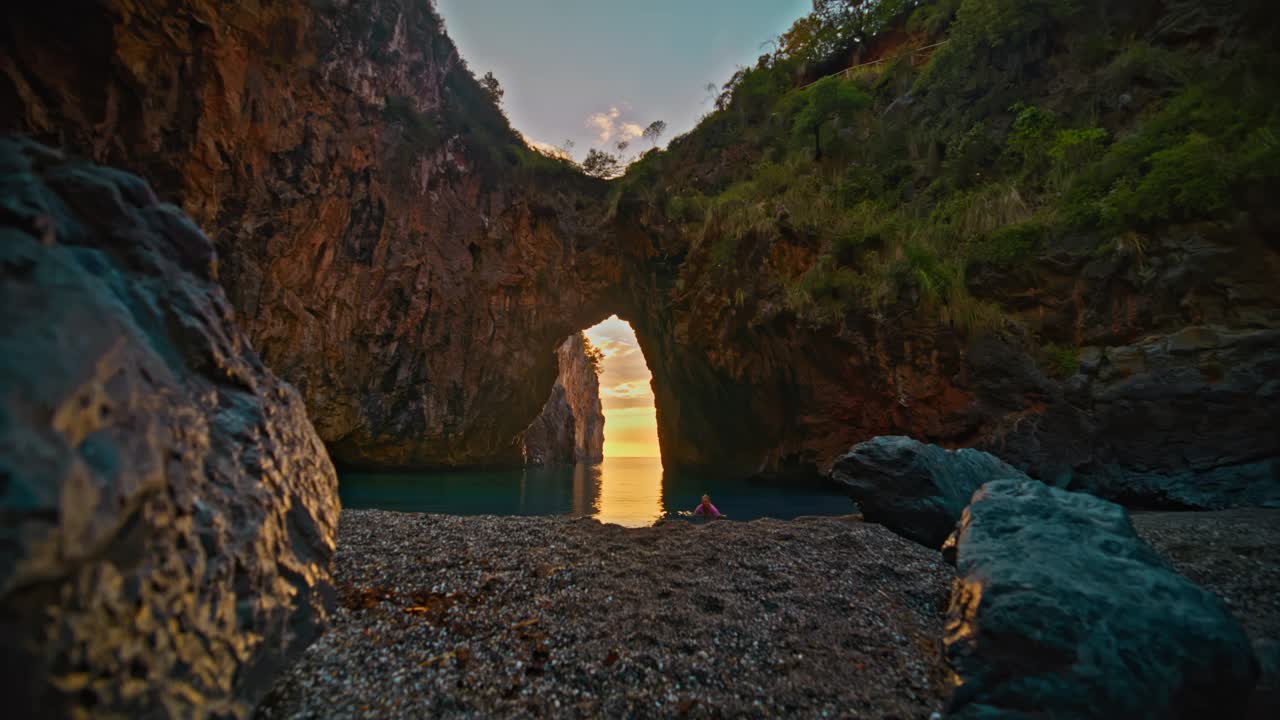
(1011, 244)
(1030, 138)
(995, 45)
(1074, 148)
(421, 131)
(1059, 361)
(970, 157)
(1188, 181)
(1144, 64)
(686, 209)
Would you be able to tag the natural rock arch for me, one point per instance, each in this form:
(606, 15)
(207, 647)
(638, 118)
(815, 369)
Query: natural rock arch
(415, 295)
(396, 252)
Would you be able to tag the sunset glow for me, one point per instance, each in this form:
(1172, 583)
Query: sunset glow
(630, 428)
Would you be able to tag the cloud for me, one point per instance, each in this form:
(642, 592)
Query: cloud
(609, 126)
(613, 348)
(629, 131)
(603, 123)
(642, 402)
(545, 148)
(624, 383)
(637, 435)
(632, 388)
(626, 389)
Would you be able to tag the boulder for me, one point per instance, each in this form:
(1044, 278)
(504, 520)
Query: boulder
(1060, 607)
(916, 490)
(167, 512)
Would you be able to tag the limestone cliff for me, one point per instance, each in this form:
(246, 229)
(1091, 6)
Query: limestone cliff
(1050, 238)
(389, 244)
(570, 428)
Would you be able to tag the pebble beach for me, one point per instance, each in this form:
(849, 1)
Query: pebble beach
(447, 616)
(451, 616)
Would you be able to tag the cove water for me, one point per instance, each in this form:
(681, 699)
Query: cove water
(633, 492)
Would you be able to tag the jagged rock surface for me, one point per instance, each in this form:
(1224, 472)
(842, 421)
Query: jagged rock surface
(167, 512)
(389, 257)
(918, 491)
(1171, 405)
(1059, 604)
(383, 242)
(570, 428)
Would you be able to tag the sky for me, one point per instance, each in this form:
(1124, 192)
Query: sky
(630, 426)
(595, 72)
(598, 71)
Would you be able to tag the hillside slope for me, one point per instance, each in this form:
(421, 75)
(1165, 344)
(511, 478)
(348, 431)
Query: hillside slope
(1050, 237)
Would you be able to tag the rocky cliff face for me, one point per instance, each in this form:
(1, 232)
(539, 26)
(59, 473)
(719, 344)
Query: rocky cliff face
(570, 428)
(388, 242)
(1167, 406)
(395, 252)
(929, 275)
(167, 513)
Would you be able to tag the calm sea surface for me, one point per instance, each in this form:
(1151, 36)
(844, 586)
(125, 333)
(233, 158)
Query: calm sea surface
(633, 492)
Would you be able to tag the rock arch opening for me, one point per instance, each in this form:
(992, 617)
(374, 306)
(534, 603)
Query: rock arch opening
(626, 393)
(631, 473)
(600, 418)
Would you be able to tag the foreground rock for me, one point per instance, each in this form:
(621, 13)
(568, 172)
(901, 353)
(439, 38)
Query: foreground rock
(168, 514)
(916, 490)
(570, 428)
(1060, 605)
(516, 617)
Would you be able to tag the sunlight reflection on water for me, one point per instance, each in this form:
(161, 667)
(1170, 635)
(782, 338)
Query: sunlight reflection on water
(630, 491)
(633, 492)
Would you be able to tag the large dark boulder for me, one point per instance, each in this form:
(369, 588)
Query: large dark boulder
(1060, 608)
(916, 490)
(167, 512)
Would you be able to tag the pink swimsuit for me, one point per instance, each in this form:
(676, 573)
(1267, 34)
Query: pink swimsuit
(709, 510)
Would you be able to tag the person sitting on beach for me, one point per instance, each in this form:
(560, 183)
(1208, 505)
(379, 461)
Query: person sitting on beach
(706, 509)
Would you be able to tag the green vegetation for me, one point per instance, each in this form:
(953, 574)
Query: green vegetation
(595, 356)
(1060, 362)
(890, 157)
(472, 121)
(421, 133)
(869, 192)
(826, 102)
(601, 164)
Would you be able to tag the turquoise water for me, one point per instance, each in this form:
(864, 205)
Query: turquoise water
(633, 492)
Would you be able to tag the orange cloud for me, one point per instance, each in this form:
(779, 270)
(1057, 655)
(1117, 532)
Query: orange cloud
(630, 428)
